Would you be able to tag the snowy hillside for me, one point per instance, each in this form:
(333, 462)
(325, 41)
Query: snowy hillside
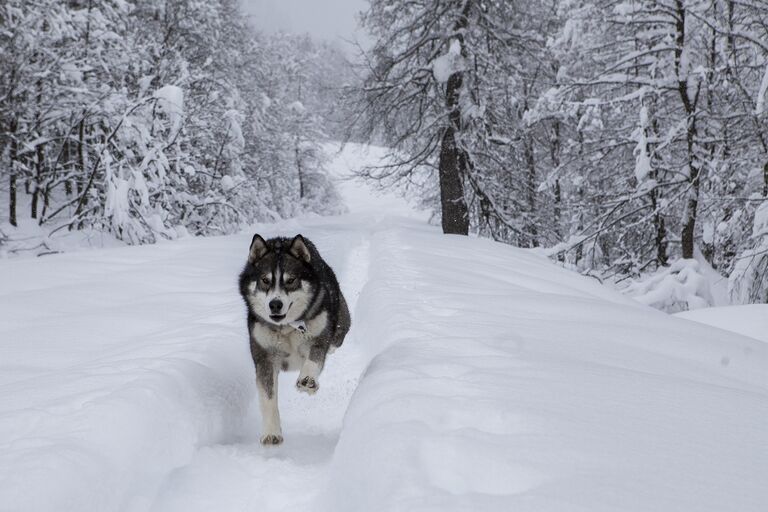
(750, 319)
(476, 376)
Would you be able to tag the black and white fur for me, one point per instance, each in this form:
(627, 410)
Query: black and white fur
(296, 315)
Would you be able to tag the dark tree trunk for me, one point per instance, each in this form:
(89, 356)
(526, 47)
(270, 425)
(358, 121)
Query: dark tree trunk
(12, 197)
(68, 167)
(689, 215)
(765, 180)
(80, 155)
(453, 160)
(299, 169)
(530, 163)
(12, 177)
(455, 215)
(659, 222)
(687, 236)
(453, 165)
(555, 155)
(39, 153)
(660, 238)
(37, 186)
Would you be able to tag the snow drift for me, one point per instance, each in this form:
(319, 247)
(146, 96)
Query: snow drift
(505, 383)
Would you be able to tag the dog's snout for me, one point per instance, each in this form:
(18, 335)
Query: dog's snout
(275, 306)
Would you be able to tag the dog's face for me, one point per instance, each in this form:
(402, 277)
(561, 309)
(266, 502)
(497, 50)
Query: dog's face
(280, 283)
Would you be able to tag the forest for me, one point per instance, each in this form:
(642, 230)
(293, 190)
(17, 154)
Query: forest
(625, 138)
(156, 119)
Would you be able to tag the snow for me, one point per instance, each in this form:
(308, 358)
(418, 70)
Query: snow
(170, 99)
(760, 225)
(297, 107)
(642, 158)
(227, 183)
(477, 376)
(748, 320)
(503, 383)
(760, 102)
(449, 63)
(71, 72)
(679, 287)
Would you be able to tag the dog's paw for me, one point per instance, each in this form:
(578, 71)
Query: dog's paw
(271, 439)
(307, 385)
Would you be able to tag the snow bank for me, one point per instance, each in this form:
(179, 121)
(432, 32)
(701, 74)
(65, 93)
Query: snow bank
(749, 320)
(117, 364)
(505, 383)
(678, 287)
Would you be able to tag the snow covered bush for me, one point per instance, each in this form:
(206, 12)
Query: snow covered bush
(679, 287)
(749, 279)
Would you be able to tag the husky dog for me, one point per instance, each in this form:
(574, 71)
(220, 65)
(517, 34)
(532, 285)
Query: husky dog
(296, 315)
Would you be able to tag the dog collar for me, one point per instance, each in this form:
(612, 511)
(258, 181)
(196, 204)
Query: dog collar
(299, 325)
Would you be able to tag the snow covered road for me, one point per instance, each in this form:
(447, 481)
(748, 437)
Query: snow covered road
(476, 377)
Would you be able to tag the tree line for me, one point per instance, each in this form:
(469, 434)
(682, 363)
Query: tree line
(619, 134)
(151, 119)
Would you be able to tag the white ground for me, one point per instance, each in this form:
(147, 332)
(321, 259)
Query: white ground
(476, 377)
(750, 319)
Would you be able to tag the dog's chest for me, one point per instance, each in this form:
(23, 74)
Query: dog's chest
(287, 342)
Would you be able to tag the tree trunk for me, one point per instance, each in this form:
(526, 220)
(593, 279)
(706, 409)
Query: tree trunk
(689, 215)
(530, 189)
(40, 159)
(68, 167)
(453, 165)
(12, 177)
(765, 180)
(453, 160)
(555, 156)
(659, 223)
(694, 164)
(39, 153)
(80, 155)
(660, 239)
(298, 167)
(454, 208)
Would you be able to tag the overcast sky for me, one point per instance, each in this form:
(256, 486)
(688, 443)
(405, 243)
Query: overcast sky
(328, 19)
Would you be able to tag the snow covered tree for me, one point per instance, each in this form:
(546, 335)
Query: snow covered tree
(151, 119)
(451, 85)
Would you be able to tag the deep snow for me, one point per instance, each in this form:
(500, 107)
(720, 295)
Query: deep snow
(477, 376)
(750, 319)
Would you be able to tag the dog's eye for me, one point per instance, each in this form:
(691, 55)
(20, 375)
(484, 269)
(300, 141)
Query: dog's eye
(290, 280)
(265, 280)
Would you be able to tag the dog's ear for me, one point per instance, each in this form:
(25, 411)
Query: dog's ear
(258, 249)
(299, 249)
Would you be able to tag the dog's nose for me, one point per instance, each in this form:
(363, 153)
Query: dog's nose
(275, 306)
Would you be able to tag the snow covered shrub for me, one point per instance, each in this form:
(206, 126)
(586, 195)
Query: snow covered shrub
(679, 287)
(749, 280)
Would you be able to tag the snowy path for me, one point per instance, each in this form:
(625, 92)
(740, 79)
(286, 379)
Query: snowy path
(236, 475)
(476, 377)
(243, 475)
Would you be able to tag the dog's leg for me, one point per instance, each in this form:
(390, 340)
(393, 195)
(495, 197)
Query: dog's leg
(310, 370)
(266, 382)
